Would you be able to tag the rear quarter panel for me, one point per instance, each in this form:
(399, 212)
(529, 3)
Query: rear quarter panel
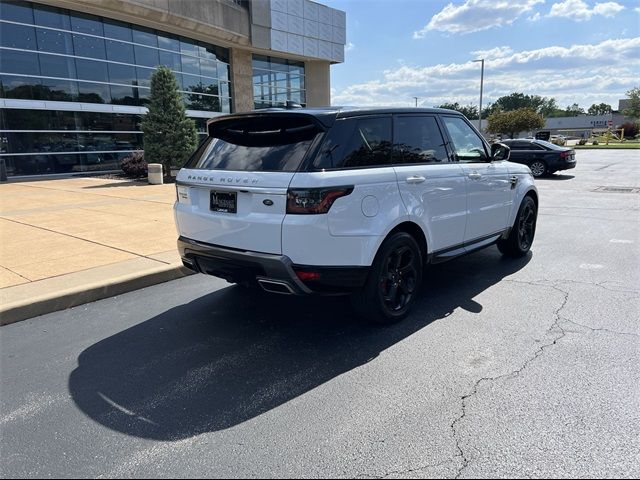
(373, 205)
(525, 185)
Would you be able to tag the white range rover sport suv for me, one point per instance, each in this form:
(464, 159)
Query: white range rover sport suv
(357, 201)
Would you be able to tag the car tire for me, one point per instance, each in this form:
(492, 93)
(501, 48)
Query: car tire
(393, 281)
(538, 168)
(520, 239)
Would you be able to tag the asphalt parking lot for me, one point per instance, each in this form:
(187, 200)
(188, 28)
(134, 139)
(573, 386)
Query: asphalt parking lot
(506, 368)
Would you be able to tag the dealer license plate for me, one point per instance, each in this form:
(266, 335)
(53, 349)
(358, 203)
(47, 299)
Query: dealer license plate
(224, 202)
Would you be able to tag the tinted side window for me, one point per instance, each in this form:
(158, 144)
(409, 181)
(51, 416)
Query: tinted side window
(519, 146)
(369, 143)
(418, 140)
(469, 146)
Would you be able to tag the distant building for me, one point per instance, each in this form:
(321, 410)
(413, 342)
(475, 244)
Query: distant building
(583, 125)
(623, 104)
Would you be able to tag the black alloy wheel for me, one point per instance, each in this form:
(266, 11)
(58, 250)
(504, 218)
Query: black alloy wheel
(393, 282)
(398, 280)
(526, 226)
(523, 231)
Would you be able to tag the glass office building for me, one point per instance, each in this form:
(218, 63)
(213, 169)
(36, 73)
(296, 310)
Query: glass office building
(276, 81)
(48, 53)
(74, 86)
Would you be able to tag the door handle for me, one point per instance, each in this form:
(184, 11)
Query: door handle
(475, 176)
(416, 179)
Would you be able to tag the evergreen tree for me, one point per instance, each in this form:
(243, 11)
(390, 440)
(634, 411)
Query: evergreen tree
(169, 136)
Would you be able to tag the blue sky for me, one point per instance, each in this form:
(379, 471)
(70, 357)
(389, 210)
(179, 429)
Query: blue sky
(582, 51)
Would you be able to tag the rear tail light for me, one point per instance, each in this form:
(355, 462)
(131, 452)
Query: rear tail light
(566, 154)
(309, 201)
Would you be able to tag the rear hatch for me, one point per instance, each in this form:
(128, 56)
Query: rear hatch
(233, 191)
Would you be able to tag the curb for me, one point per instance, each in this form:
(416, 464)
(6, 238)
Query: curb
(61, 300)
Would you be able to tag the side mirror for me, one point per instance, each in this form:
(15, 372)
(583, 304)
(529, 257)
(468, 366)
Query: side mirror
(499, 151)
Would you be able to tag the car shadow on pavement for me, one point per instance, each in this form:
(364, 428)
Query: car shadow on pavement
(232, 355)
(556, 176)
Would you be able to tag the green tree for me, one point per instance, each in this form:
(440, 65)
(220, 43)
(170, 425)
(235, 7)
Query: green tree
(169, 136)
(515, 121)
(574, 110)
(470, 111)
(633, 110)
(558, 112)
(515, 101)
(488, 110)
(599, 109)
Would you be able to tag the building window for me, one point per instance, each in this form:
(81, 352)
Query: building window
(89, 48)
(50, 53)
(276, 80)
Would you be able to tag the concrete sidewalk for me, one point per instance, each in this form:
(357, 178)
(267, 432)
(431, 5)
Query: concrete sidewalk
(70, 241)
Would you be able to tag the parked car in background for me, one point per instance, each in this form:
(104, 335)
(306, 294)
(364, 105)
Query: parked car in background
(543, 158)
(558, 140)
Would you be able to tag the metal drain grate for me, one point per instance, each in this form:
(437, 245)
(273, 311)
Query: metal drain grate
(618, 189)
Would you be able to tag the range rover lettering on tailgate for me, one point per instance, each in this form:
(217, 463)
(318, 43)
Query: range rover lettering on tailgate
(348, 201)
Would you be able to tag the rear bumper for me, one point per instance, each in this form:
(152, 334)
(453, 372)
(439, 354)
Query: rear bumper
(566, 166)
(274, 273)
(561, 164)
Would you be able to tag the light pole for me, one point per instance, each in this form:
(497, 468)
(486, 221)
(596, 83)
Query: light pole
(416, 98)
(481, 84)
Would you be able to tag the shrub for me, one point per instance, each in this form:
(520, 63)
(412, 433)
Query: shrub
(134, 165)
(630, 129)
(582, 142)
(595, 142)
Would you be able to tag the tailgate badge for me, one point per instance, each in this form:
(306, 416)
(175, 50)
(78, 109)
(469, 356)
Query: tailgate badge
(268, 202)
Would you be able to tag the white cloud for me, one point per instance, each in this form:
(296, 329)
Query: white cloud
(535, 18)
(579, 11)
(476, 15)
(584, 74)
(349, 47)
(493, 52)
(607, 9)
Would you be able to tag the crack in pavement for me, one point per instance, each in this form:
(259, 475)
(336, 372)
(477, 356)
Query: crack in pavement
(553, 283)
(601, 329)
(554, 326)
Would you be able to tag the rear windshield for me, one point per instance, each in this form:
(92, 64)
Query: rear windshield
(550, 145)
(258, 144)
